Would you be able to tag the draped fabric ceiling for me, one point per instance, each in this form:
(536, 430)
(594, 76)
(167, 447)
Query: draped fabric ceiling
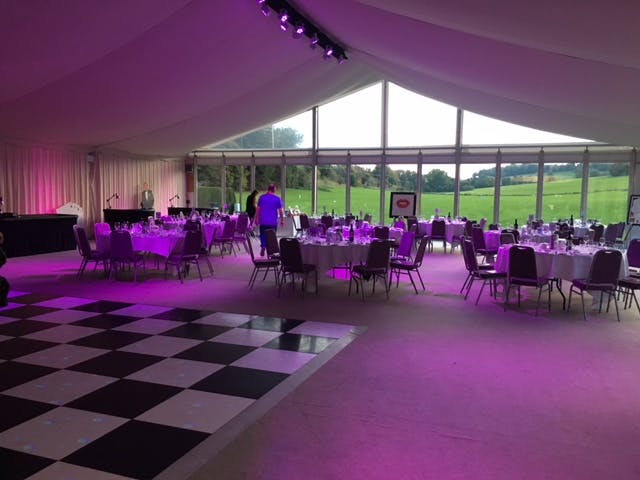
(162, 77)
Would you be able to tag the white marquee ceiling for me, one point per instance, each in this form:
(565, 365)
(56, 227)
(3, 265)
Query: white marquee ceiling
(167, 76)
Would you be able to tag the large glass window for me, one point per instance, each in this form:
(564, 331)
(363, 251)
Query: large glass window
(365, 190)
(481, 130)
(518, 190)
(293, 132)
(267, 174)
(561, 191)
(332, 192)
(353, 121)
(438, 186)
(237, 182)
(401, 178)
(608, 194)
(416, 120)
(209, 191)
(299, 187)
(477, 190)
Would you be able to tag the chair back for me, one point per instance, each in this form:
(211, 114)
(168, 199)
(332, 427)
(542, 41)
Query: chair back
(349, 218)
(367, 218)
(438, 228)
(272, 242)
(327, 221)
(611, 233)
(468, 225)
(290, 254)
(381, 232)
(81, 239)
(400, 224)
(378, 255)
(191, 243)
(101, 228)
(406, 244)
(621, 227)
(492, 226)
(242, 224)
(633, 253)
(477, 237)
(304, 221)
(228, 229)
(422, 247)
(506, 238)
(411, 221)
(605, 267)
(192, 226)
(514, 232)
(522, 262)
(598, 230)
(469, 254)
(483, 223)
(121, 245)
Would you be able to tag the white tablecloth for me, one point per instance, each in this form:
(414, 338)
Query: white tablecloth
(492, 239)
(163, 243)
(453, 230)
(326, 256)
(553, 264)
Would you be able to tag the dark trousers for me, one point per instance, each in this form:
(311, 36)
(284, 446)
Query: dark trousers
(263, 237)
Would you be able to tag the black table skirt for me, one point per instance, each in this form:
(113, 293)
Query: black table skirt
(33, 234)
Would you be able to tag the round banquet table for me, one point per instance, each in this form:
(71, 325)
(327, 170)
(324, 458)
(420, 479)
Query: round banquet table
(162, 243)
(555, 264)
(453, 230)
(326, 256)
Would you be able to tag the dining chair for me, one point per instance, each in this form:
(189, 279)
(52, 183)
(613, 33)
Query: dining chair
(327, 221)
(514, 232)
(88, 254)
(523, 272)
(261, 264)
(242, 227)
(400, 224)
(598, 231)
(405, 246)
(610, 234)
(381, 232)
(507, 238)
(603, 278)
(226, 237)
(479, 245)
(291, 264)
(406, 266)
(367, 218)
(438, 233)
(633, 256)
(375, 267)
(474, 271)
(189, 255)
(273, 247)
(122, 254)
(192, 226)
(305, 225)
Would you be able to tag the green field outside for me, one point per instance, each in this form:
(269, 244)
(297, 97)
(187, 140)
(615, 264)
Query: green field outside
(607, 200)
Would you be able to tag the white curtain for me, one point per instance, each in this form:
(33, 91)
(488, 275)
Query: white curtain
(38, 179)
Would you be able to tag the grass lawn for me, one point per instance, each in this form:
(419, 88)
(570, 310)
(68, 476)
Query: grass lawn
(607, 200)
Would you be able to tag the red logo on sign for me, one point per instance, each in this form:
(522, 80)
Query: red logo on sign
(403, 203)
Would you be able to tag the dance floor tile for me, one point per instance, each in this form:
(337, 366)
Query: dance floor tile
(273, 360)
(125, 398)
(60, 387)
(150, 326)
(14, 410)
(225, 319)
(110, 339)
(58, 432)
(215, 352)
(137, 449)
(241, 382)
(196, 331)
(102, 306)
(141, 311)
(300, 343)
(272, 324)
(116, 364)
(175, 371)
(61, 355)
(100, 390)
(246, 336)
(197, 410)
(182, 314)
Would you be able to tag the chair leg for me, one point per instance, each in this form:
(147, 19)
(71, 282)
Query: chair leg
(538, 302)
(252, 277)
(420, 277)
(480, 292)
(471, 280)
(199, 272)
(507, 289)
(412, 282)
(584, 312)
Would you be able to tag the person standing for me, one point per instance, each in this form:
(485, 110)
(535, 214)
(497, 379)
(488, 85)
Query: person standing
(251, 205)
(146, 201)
(269, 209)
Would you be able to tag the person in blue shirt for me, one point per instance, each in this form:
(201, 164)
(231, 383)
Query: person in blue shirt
(269, 209)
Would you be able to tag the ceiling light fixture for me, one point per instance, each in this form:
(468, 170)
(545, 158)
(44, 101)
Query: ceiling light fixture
(289, 16)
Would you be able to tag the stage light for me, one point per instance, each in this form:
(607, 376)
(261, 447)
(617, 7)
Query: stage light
(289, 16)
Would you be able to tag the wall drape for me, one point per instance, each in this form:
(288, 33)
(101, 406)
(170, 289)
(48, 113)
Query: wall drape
(39, 179)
